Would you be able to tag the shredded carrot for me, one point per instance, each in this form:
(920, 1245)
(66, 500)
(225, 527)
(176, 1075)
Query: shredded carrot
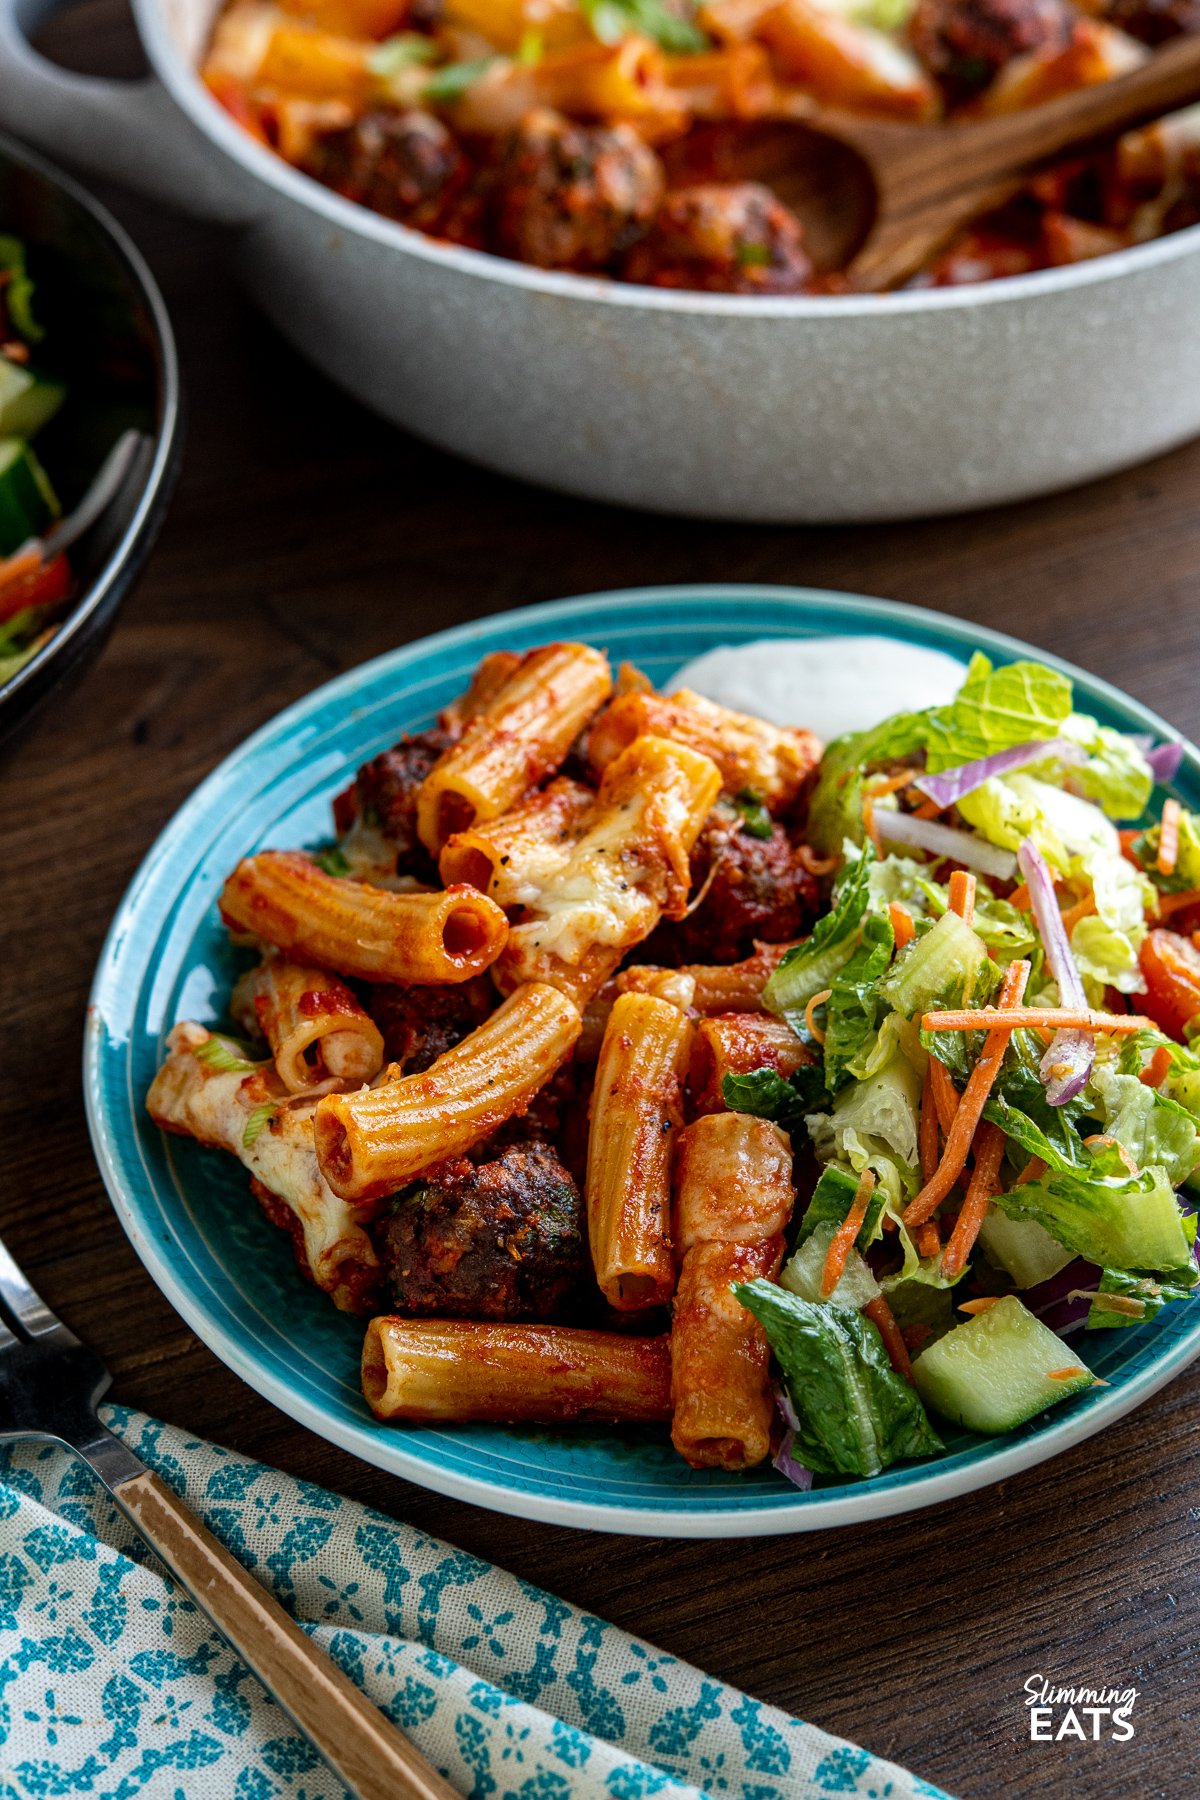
(1173, 903)
(974, 1307)
(1158, 1068)
(1099, 1137)
(928, 1240)
(890, 784)
(870, 826)
(1119, 1303)
(817, 865)
(1067, 1374)
(881, 1317)
(1168, 843)
(15, 351)
(1034, 1018)
(1020, 899)
(974, 1098)
(1080, 910)
(984, 1183)
(927, 1131)
(929, 810)
(945, 1094)
(847, 1231)
(817, 1000)
(902, 924)
(962, 896)
(1034, 1169)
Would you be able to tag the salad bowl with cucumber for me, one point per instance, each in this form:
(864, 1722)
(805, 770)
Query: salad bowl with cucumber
(89, 427)
(1002, 1002)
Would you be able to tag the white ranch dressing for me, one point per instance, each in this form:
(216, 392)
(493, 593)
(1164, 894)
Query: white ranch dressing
(829, 685)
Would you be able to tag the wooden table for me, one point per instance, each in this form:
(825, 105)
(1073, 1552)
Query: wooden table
(306, 537)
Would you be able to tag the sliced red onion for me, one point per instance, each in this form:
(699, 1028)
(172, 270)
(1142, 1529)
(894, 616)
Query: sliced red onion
(788, 1467)
(1164, 760)
(1068, 1060)
(1051, 1302)
(950, 786)
(944, 841)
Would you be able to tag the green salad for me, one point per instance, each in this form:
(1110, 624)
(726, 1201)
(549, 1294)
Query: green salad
(1004, 1101)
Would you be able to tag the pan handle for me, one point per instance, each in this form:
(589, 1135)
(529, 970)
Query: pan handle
(130, 132)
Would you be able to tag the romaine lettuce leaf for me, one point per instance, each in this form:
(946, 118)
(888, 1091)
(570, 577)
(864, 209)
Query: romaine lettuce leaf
(831, 1201)
(835, 810)
(1116, 774)
(805, 1269)
(994, 710)
(18, 290)
(854, 1002)
(1151, 1295)
(1018, 1105)
(856, 1415)
(1108, 1216)
(812, 965)
(1152, 1127)
(878, 1115)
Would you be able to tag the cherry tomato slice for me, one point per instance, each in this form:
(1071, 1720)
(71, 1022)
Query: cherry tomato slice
(42, 586)
(1171, 969)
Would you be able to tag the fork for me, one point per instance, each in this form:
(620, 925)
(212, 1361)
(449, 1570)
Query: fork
(50, 1385)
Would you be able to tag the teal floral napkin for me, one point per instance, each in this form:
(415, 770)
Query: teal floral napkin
(112, 1685)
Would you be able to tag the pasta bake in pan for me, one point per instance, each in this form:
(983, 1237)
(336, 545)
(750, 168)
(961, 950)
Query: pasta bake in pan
(626, 138)
(628, 1058)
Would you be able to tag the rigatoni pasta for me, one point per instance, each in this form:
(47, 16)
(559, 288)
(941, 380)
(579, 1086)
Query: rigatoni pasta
(752, 755)
(738, 1044)
(637, 1108)
(366, 931)
(518, 737)
(426, 1370)
(318, 1032)
(370, 1143)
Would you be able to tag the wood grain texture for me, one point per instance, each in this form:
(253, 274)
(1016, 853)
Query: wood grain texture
(374, 1759)
(305, 537)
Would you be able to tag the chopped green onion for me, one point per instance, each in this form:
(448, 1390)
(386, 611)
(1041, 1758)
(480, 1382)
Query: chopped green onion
(754, 256)
(222, 1054)
(529, 50)
(401, 52)
(452, 81)
(755, 817)
(613, 20)
(332, 861)
(257, 1122)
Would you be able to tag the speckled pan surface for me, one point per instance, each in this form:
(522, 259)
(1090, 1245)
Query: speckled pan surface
(778, 410)
(190, 1215)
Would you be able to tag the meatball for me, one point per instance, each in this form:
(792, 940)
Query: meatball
(1154, 21)
(419, 1024)
(406, 165)
(384, 794)
(495, 1240)
(723, 238)
(964, 44)
(574, 196)
(758, 890)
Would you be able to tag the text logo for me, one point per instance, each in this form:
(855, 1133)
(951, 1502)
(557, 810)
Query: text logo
(1086, 1713)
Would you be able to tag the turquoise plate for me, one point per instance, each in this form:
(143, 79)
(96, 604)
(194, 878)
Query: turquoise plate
(190, 1216)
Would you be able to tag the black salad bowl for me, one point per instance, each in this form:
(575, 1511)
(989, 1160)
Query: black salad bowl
(108, 336)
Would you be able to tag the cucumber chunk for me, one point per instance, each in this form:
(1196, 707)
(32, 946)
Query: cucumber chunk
(1022, 1248)
(994, 1372)
(28, 400)
(27, 501)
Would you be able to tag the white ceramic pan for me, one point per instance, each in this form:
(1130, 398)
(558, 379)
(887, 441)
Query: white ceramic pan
(782, 410)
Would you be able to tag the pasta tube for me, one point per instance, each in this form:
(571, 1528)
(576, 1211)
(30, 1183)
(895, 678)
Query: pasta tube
(733, 1198)
(511, 858)
(367, 932)
(733, 1181)
(623, 81)
(629, 869)
(455, 1370)
(750, 753)
(637, 1108)
(720, 1358)
(315, 1027)
(737, 1044)
(371, 1142)
(518, 737)
(716, 988)
(271, 1134)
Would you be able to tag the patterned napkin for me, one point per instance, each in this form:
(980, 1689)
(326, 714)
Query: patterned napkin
(113, 1686)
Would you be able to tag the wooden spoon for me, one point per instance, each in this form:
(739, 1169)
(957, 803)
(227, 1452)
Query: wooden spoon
(879, 197)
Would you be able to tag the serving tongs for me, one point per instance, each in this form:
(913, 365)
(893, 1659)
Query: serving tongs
(50, 1385)
(879, 197)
